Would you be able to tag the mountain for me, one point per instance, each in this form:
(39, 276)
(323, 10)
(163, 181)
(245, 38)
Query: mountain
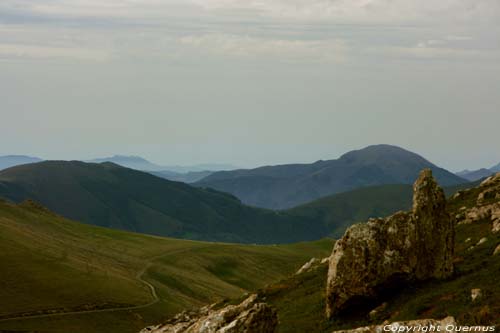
(379, 273)
(475, 174)
(139, 163)
(13, 160)
(113, 196)
(199, 167)
(285, 186)
(132, 162)
(113, 281)
(495, 168)
(188, 177)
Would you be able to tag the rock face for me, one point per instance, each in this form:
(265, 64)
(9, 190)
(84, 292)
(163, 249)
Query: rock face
(248, 317)
(420, 325)
(382, 254)
(487, 205)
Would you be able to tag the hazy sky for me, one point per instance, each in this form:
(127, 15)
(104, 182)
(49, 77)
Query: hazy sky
(250, 82)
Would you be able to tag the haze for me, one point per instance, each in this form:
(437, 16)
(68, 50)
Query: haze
(250, 82)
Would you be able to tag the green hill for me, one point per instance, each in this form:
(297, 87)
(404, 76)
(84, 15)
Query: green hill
(104, 278)
(300, 299)
(116, 197)
(339, 211)
(289, 185)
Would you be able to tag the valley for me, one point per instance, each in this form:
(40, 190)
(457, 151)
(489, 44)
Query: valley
(98, 277)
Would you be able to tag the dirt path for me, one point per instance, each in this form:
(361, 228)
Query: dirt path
(138, 276)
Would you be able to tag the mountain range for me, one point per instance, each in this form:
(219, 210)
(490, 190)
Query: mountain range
(139, 163)
(13, 160)
(286, 186)
(112, 196)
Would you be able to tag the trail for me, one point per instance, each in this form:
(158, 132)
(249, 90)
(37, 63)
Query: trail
(138, 276)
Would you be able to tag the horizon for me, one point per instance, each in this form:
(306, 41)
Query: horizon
(229, 165)
(250, 83)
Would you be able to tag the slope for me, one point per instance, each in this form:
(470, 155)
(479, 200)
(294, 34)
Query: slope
(9, 161)
(300, 299)
(286, 186)
(112, 196)
(103, 277)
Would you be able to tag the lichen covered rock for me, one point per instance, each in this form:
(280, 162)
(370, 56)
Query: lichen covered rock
(374, 257)
(250, 316)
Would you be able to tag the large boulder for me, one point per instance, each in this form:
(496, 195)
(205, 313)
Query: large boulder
(374, 258)
(250, 316)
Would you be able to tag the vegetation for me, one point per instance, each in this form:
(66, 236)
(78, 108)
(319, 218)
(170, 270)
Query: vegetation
(300, 298)
(112, 196)
(286, 186)
(51, 265)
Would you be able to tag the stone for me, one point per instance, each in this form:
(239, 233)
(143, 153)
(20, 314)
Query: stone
(308, 265)
(475, 214)
(482, 241)
(475, 294)
(381, 254)
(431, 325)
(250, 316)
(325, 260)
(495, 226)
(378, 312)
(497, 250)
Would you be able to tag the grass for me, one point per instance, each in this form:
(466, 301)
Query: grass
(300, 299)
(50, 264)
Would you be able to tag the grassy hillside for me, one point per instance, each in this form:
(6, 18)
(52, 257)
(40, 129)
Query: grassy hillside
(339, 211)
(112, 196)
(300, 300)
(52, 265)
(286, 186)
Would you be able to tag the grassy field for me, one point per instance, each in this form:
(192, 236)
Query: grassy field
(51, 266)
(300, 300)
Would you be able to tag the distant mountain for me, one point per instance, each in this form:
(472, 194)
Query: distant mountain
(13, 160)
(113, 196)
(189, 177)
(199, 168)
(286, 186)
(132, 162)
(475, 174)
(186, 174)
(495, 168)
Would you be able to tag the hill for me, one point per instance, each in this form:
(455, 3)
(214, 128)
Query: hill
(475, 174)
(339, 211)
(495, 168)
(113, 196)
(13, 160)
(188, 177)
(286, 186)
(132, 162)
(300, 299)
(61, 276)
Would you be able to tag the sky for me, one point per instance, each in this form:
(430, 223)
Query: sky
(250, 82)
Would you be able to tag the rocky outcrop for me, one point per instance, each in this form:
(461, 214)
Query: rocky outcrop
(487, 205)
(250, 316)
(420, 325)
(308, 266)
(381, 254)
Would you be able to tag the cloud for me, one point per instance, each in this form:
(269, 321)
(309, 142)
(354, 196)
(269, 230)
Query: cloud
(364, 11)
(247, 46)
(20, 51)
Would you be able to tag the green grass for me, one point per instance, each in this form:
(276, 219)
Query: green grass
(300, 299)
(49, 263)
